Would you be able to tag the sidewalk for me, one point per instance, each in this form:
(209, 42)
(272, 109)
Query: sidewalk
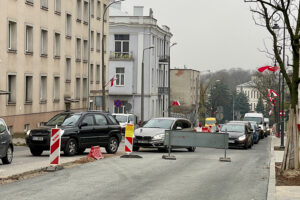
(279, 192)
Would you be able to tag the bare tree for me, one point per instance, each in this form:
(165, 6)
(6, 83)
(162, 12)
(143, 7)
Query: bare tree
(268, 13)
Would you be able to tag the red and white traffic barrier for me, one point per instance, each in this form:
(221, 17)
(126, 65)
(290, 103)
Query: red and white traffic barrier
(129, 138)
(55, 146)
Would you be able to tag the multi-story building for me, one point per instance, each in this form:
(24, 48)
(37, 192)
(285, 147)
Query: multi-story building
(185, 88)
(130, 38)
(252, 94)
(44, 58)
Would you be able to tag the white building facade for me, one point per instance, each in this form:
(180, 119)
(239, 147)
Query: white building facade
(252, 94)
(130, 36)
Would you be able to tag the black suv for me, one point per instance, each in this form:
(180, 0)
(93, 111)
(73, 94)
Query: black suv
(80, 131)
(6, 144)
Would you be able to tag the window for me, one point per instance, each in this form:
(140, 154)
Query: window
(92, 7)
(89, 119)
(98, 42)
(98, 12)
(100, 120)
(43, 89)
(120, 73)
(78, 49)
(68, 70)
(77, 89)
(98, 74)
(44, 4)
(122, 44)
(92, 41)
(92, 73)
(28, 89)
(56, 89)
(56, 45)
(68, 25)
(28, 39)
(152, 77)
(121, 109)
(12, 36)
(26, 127)
(11, 88)
(85, 50)
(104, 8)
(79, 10)
(84, 88)
(57, 6)
(44, 42)
(85, 12)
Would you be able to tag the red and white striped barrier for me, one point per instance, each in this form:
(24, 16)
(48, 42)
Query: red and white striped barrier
(129, 138)
(55, 146)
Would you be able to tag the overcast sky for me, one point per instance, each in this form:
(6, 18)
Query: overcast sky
(211, 34)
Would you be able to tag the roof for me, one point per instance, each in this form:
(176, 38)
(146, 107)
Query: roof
(247, 84)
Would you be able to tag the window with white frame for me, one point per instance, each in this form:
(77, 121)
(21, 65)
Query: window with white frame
(68, 70)
(44, 4)
(91, 73)
(56, 89)
(78, 49)
(68, 25)
(77, 89)
(12, 36)
(28, 39)
(28, 89)
(98, 11)
(122, 44)
(79, 10)
(43, 89)
(84, 88)
(56, 45)
(92, 7)
(44, 42)
(98, 42)
(92, 40)
(57, 6)
(98, 74)
(120, 76)
(85, 12)
(122, 108)
(11, 88)
(85, 50)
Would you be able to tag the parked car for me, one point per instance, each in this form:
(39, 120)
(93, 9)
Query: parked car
(240, 134)
(254, 126)
(6, 144)
(152, 134)
(80, 131)
(125, 119)
(259, 119)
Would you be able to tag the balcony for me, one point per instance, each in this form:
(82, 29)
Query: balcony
(121, 56)
(164, 58)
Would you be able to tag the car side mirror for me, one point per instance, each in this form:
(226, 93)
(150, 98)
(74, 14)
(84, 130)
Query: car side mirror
(83, 124)
(178, 128)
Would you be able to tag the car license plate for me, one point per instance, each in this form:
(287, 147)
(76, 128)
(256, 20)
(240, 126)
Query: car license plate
(143, 141)
(231, 141)
(37, 138)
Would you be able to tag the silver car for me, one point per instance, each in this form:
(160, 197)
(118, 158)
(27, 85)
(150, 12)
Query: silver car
(6, 145)
(152, 134)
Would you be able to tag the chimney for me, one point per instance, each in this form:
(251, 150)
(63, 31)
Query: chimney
(138, 11)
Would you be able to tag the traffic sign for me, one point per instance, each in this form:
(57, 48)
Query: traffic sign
(118, 103)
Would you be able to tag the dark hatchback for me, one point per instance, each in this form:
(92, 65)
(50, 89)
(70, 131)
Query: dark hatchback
(80, 131)
(6, 144)
(240, 134)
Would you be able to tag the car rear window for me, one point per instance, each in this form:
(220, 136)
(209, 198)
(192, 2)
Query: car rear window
(2, 126)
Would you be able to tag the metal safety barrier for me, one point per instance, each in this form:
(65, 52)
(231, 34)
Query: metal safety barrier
(195, 139)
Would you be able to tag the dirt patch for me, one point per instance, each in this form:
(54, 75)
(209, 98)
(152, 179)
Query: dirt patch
(278, 148)
(288, 178)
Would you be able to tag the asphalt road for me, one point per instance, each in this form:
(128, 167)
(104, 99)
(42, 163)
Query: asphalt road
(197, 175)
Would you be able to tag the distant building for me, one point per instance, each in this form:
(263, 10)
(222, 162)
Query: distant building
(129, 36)
(185, 88)
(44, 58)
(252, 94)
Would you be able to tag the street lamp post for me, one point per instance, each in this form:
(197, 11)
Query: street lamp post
(142, 85)
(169, 80)
(103, 64)
(211, 99)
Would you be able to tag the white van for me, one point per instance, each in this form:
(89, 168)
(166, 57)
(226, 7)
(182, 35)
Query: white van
(259, 119)
(125, 119)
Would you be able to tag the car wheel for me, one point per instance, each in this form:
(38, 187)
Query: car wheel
(113, 145)
(81, 150)
(36, 151)
(9, 155)
(135, 148)
(71, 147)
(191, 149)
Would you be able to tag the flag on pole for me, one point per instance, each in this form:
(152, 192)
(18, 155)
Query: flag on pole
(176, 103)
(270, 68)
(112, 81)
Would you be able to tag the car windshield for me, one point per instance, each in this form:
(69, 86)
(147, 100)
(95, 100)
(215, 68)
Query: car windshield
(233, 128)
(121, 118)
(210, 122)
(256, 119)
(159, 123)
(71, 120)
(57, 119)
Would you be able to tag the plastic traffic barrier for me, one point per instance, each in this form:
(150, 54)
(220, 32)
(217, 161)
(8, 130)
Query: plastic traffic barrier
(96, 153)
(55, 146)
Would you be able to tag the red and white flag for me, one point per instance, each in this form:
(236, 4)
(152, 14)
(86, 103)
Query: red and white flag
(112, 81)
(176, 103)
(270, 68)
(270, 92)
